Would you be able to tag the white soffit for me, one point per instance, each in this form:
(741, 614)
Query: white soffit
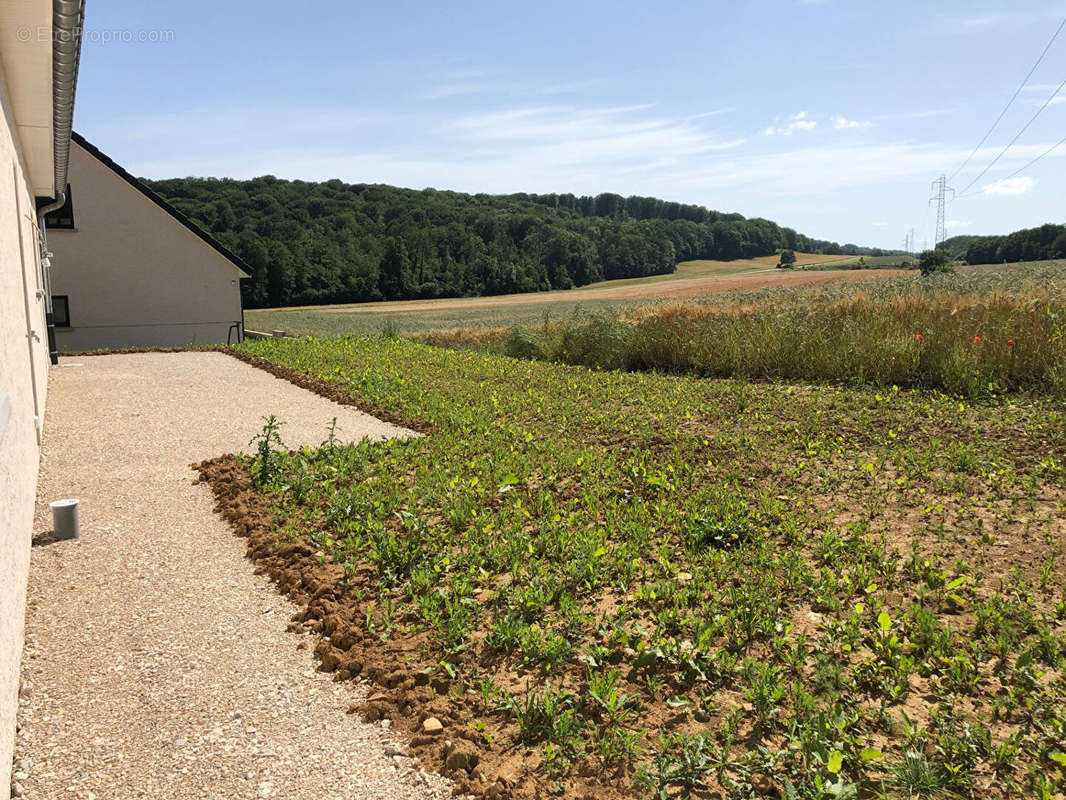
(26, 58)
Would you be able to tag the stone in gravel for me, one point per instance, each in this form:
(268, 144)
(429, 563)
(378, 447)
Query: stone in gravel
(432, 726)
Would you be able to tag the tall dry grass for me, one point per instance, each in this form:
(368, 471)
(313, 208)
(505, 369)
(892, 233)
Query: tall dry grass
(966, 335)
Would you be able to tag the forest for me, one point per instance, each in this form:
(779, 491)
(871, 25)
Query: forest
(332, 242)
(1029, 244)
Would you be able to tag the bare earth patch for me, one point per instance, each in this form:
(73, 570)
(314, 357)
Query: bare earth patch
(666, 288)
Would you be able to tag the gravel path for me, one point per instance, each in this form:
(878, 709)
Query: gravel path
(157, 663)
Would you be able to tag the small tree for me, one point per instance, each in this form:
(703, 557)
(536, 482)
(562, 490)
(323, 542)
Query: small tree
(932, 261)
(788, 258)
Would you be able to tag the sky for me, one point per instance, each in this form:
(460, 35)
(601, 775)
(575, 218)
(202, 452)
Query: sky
(830, 116)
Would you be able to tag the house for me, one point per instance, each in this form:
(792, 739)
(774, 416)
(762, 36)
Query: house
(133, 271)
(40, 47)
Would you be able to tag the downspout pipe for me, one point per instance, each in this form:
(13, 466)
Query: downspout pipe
(68, 18)
(46, 272)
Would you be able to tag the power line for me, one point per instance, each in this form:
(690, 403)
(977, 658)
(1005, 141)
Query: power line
(1014, 97)
(1020, 170)
(1017, 136)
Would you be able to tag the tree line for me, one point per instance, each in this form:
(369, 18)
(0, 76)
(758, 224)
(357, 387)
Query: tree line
(1030, 244)
(334, 242)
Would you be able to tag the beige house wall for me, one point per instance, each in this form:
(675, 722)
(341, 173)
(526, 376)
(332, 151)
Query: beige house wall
(23, 381)
(134, 275)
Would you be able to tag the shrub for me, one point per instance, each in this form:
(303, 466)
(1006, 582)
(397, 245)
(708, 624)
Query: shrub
(932, 261)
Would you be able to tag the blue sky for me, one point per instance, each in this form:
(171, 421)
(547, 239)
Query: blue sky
(830, 116)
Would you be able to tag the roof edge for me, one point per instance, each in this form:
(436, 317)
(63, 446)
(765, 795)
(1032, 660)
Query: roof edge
(68, 19)
(207, 238)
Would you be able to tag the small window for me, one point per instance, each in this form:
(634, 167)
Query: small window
(62, 218)
(60, 311)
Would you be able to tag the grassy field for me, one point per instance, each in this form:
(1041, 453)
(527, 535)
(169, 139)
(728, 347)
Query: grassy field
(385, 317)
(979, 331)
(625, 584)
(705, 268)
(692, 278)
(868, 262)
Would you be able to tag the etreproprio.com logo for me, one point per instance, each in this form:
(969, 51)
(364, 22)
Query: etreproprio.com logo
(45, 33)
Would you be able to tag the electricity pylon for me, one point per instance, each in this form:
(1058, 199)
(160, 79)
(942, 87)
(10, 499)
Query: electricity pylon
(940, 189)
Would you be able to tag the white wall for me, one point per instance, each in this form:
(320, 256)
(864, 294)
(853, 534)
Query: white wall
(134, 275)
(23, 380)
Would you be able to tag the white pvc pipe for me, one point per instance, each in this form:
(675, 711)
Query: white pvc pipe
(65, 519)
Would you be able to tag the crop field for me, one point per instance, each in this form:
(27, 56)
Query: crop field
(975, 332)
(628, 584)
(692, 279)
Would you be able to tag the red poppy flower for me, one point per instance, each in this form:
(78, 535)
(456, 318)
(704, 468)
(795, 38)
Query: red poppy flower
(918, 336)
(977, 339)
(1010, 343)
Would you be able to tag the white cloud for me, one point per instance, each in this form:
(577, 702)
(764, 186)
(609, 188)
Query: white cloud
(539, 147)
(957, 224)
(471, 87)
(880, 224)
(1038, 94)
(1008, 187)
(995, 22)
(459, 89)
(798, 122)
(840, 122)
(904, 115)
(715, 113)
(573, 86)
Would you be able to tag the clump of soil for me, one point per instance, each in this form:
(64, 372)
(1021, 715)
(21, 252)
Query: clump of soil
(476, 744)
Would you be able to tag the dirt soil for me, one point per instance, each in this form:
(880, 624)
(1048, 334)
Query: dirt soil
(675, 288)
(476, 744)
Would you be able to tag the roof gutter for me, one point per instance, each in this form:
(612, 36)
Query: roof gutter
(67, 20)
(68, 17)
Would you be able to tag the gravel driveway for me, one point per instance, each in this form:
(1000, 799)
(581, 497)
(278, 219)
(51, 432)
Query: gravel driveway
(156, 663)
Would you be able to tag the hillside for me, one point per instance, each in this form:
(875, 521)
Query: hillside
(332, 242)
(1029, 244)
